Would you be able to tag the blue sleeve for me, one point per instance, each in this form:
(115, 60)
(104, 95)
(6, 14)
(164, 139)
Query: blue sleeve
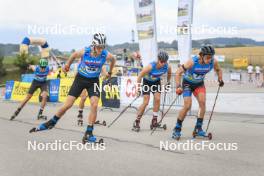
(26, 41)
(36, 69)
(105, 53)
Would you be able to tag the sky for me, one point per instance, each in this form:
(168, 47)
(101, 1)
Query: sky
(70, 24)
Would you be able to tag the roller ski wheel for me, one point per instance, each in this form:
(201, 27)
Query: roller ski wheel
(42, 117)
(151, 127)
(92, 140)
(209, 136)
(136, 126)
(13, 117)
(164, 127)
(176, 137)
(154, 123)
(33, 130)
(135, 129)
(80, 122)
(99, 123)
(15, 114)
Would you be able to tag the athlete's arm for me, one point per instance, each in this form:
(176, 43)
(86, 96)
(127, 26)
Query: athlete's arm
(32, 67)
(110, 58)
(218, 70)
(76, 54)
(181, 70)
(144, 71)
(104, 71)
(169, 74)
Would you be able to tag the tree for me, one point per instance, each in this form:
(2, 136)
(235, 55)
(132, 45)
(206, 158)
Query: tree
(24, 60)
(2, 69)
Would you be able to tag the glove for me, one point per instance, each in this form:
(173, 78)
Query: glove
(138, 91)
(179, 90)
(109, 74)
(66, 68)
(221, 83)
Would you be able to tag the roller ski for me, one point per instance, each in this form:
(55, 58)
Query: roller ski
(15, 114)
(90, 138)
(45, 126)
(199, 133)
(136, 126)
(155, 124)
(80, 120)
(100, 123)
(42, 117)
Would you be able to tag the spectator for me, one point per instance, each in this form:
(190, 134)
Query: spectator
(257, 68)
(250, 72)
(263, 76)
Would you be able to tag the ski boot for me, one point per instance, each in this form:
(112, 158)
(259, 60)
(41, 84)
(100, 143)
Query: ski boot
(45, 126)
(89, 137)
(177, 132)
(199, 132)
(97, 122)
(15, 114)
(154, 123)
(80, 119)
(136, 126)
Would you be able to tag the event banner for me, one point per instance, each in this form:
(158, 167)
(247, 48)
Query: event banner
(54, 86)
(65, 85)
(185, 15)
(128, 91)
(20, 90)
(9, 89)
(110, 93)
(146, 29)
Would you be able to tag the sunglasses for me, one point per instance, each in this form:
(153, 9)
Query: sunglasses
(163, 62)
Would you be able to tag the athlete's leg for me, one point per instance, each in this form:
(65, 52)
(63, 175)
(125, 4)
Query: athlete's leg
(156, 109)
(143, 106)
(82, 103)
(44, 96)
(200, 94)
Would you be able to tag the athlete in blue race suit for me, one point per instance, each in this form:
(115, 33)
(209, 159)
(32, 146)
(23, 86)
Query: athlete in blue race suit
(194, 71)
(89, 69)
(151, 75)
(40, 76)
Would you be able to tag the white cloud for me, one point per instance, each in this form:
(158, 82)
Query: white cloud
(118, 18)
(243, 12)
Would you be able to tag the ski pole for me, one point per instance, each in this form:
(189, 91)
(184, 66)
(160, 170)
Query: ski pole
(154, 129)
(122, 112)
(212, 109)
(164, 98)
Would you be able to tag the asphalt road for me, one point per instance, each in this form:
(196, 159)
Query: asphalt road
(126, 152)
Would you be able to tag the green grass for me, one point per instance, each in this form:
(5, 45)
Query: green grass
(9, 60)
